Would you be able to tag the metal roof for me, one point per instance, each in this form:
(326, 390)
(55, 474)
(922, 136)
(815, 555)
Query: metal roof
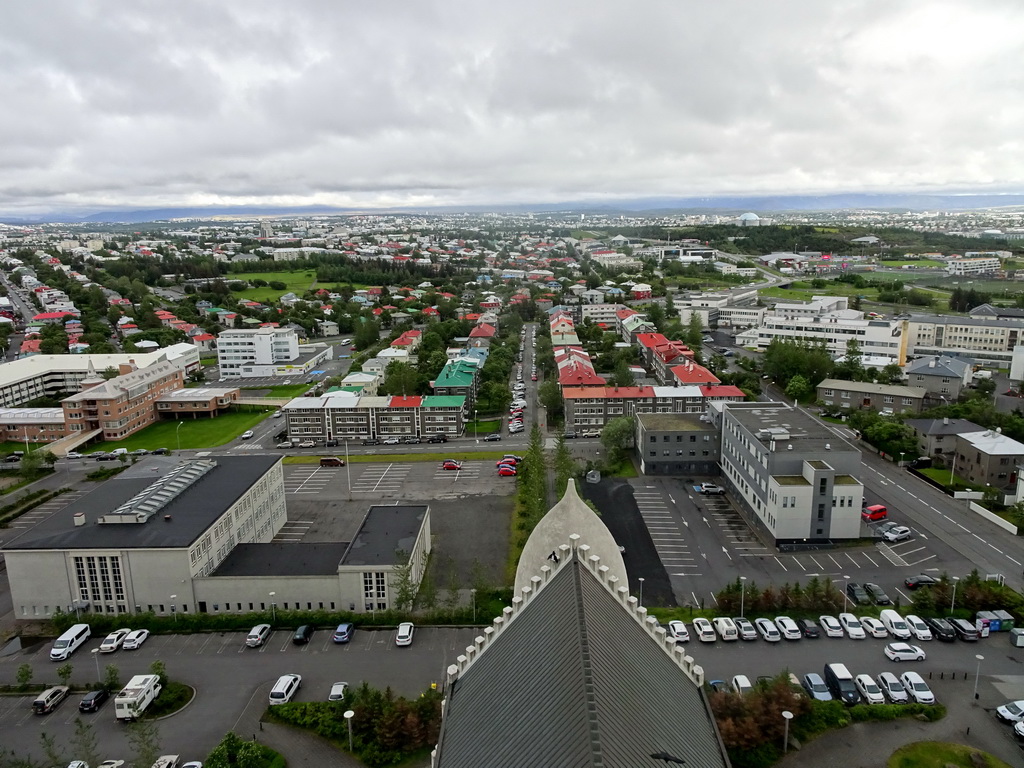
(574, 679)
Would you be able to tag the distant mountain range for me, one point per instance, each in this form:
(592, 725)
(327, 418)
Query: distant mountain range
(765, 205)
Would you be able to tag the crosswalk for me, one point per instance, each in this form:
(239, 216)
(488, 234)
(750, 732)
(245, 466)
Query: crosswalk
(669, 534)
(247, 447)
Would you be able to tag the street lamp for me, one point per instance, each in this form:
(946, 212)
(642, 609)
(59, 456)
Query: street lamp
(952, 602)
(177, 433)
(743, 593)
(273, 608)
(902, 453)
(787, 716)
(349, 714)
(846, 593)
(96, 658)
(977, 672)
(641, 580)
(174, 612)
(472, 592)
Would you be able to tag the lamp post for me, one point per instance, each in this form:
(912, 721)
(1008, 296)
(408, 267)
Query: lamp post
(96, 658)
(349, 714)
(952, 470)
(177, 433)
(641, 580)
(348, 470)
(846, 593)
(902, 453)
(952, 602)
(273, 607)
(173, 611)
(472, 592)
(743, 593)
(787, 716)
(977, 672)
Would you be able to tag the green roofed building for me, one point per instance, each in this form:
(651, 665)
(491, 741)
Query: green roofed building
(459, 377)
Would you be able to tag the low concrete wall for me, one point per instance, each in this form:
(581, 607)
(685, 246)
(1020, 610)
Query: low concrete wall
(980, 510)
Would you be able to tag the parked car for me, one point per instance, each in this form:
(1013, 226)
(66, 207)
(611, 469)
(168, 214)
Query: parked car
(677, 631)
(451, 464)
(767, 629)
(916, 582)
(437, 439)
(904, 652)
(93, 700)
(874, 513)
(964, 629)
(405, 632)
(709, 489)
(858, 594)
(337, 692)
(831, 626)
(303, 634)
(569, 435)
(941, 629)
(591, 433)
(788, 628)
(72, 455)
(874, 627)
(877, 594)
(917, 688)
(816, 687)
(918, 628)
(892, 688)
(745, 629)
(704, 631)
(159, 451)
(285, 444)
(257, 636)
(852, 626)
(134, 640)
(1011, 711)
(899, 533)
(493, 437)
(114, 640)
(868, 690)
(506, 470)
(390, 441)
(371, 441)
(808, 628)
(343, 633)
(412, 440)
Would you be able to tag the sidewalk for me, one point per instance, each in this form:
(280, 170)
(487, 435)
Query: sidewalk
(869, 745)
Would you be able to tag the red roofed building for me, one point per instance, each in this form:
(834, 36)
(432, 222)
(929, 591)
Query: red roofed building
(482, 331)
(411, 401)
(432, 311)
(659, 353)
(722, 392)
(54, 317)
(408, 341)
(575, 368)
(692, 373)
(205, 341)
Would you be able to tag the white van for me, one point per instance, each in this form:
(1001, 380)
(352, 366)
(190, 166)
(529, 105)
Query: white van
(741, 685)
(69, 642)
(726, 628)
(895, 624)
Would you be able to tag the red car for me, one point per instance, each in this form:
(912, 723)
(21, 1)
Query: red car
(533, 377)
(451, 464)
(509, 462)
(506, 471)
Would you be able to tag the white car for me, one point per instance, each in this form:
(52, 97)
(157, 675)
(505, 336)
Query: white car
(135, 640)
(247, 434)
(852, 626)
(745, 629)
(892, 688)
(899, 533)
(677, 631)
(830, 626)
(386, 441)
(337, 692)
(904, 652)
(788, 628)
(405, 633)
(1011, 711)
(918, 628)
(72, 455)
(311, 444)
(704, 631)
(874, 627)
(869, 690)
(768, 630)
(114, 640)
(917, 688)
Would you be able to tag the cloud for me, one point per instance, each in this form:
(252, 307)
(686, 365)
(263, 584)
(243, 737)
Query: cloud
(449, 102)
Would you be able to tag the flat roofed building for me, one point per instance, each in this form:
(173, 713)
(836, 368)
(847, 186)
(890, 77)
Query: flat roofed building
(677, 443)
(988, 458)
(986, 338)
(794, 480)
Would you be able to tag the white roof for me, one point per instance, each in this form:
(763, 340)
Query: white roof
(994, 443)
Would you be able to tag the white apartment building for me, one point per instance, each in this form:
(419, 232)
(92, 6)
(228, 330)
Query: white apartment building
(600, 313)
(245, 352)
(795, 480)
(973, 266)
(982, 339)
(877, 338)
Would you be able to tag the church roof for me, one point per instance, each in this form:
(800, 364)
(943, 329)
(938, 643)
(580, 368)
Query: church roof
(575, 674)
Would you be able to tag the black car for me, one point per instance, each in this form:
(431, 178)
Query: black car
(858, 594)
(106, 457)
(915, 582)
(332, 443)
(158, 451)
(493, 437)
(569, 435)
(12, 458)
(438, 439)
(808, 627)
(93, 700)
(371, 441)
(878, 594)
(303, 634)
(964, 629)
(941, 629)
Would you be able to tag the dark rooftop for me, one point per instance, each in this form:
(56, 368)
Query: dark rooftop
(805, 433)
(574, 680)
(293, 559)
(384, 531)
(191, 512)
(667, 422)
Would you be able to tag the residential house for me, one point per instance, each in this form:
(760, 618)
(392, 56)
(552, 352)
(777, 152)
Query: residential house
(884, 398)
(988, 459)
(942, 377)
(937, 437)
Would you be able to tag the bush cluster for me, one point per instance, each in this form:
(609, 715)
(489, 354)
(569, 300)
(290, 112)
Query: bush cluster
(232, 752)
(818, 596)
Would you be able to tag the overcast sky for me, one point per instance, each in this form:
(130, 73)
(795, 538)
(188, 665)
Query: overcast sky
(414, 102)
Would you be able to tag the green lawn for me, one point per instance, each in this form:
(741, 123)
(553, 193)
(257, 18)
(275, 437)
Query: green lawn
(941, 476)
(483, 427)
(923, 263)
(296, 282)
(200, 433)
(937, 754)
(289, 390)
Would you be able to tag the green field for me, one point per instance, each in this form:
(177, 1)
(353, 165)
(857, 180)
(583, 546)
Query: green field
(198, 433)
(935, 754)
(296, 282)
(282, 390)
(802, 290)
(923, 263)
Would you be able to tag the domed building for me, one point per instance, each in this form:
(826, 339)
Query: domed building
(749, 220)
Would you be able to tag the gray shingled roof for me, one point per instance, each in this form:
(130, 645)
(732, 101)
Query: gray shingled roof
(575, 680)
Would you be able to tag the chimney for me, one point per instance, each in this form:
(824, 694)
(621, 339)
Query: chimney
(945, 419)
(79, 518)
(931, 363)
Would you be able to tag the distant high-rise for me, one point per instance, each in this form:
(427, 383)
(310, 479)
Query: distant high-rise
(266, 229)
